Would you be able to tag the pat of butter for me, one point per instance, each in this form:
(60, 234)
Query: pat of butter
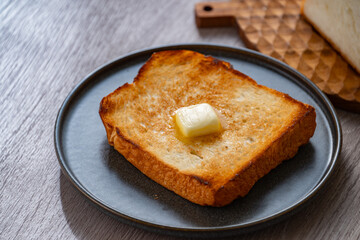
(197, 120)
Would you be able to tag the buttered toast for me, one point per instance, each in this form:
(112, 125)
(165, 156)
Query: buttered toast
(261, 126)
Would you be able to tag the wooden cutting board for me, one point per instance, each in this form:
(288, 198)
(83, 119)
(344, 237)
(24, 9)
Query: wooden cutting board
(276, 28)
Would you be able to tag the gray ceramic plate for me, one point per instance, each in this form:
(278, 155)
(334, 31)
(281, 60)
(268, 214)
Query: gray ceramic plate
(120, 190)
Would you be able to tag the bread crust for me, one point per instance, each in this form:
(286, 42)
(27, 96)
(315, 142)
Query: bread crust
(205, 189)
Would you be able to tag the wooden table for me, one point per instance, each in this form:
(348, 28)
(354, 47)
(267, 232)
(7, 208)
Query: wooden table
(46, 48)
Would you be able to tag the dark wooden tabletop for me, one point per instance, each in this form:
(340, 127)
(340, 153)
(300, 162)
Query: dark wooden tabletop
(46, 49)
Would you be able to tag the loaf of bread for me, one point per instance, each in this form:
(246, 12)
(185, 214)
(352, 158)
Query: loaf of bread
(338, 21)
(261, 126)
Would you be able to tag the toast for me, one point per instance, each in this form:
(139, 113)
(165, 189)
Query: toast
(262, 126)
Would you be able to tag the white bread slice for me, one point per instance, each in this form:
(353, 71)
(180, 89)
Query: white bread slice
(338, 21)
(263, 126)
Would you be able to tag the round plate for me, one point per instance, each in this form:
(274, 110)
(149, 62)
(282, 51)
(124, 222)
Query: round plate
(118, 188)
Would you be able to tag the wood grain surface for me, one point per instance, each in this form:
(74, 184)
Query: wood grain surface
(46, 48)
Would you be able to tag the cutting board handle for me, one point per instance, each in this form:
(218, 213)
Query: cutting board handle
(216, 14)
(224, 14)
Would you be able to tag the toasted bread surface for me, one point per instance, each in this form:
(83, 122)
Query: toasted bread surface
(262, 127)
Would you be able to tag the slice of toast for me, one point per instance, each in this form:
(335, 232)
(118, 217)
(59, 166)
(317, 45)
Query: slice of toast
(262, 127)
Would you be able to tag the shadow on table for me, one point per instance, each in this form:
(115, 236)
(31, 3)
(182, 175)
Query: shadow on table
(86, 221)
(219, 32)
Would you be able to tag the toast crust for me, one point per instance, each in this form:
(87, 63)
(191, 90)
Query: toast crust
(211, 183)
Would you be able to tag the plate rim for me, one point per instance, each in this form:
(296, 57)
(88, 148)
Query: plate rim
(199, 231)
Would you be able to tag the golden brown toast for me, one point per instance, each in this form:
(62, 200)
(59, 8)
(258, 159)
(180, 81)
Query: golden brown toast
(262, 126)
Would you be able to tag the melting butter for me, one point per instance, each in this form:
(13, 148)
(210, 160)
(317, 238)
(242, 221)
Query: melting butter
(197, 120)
